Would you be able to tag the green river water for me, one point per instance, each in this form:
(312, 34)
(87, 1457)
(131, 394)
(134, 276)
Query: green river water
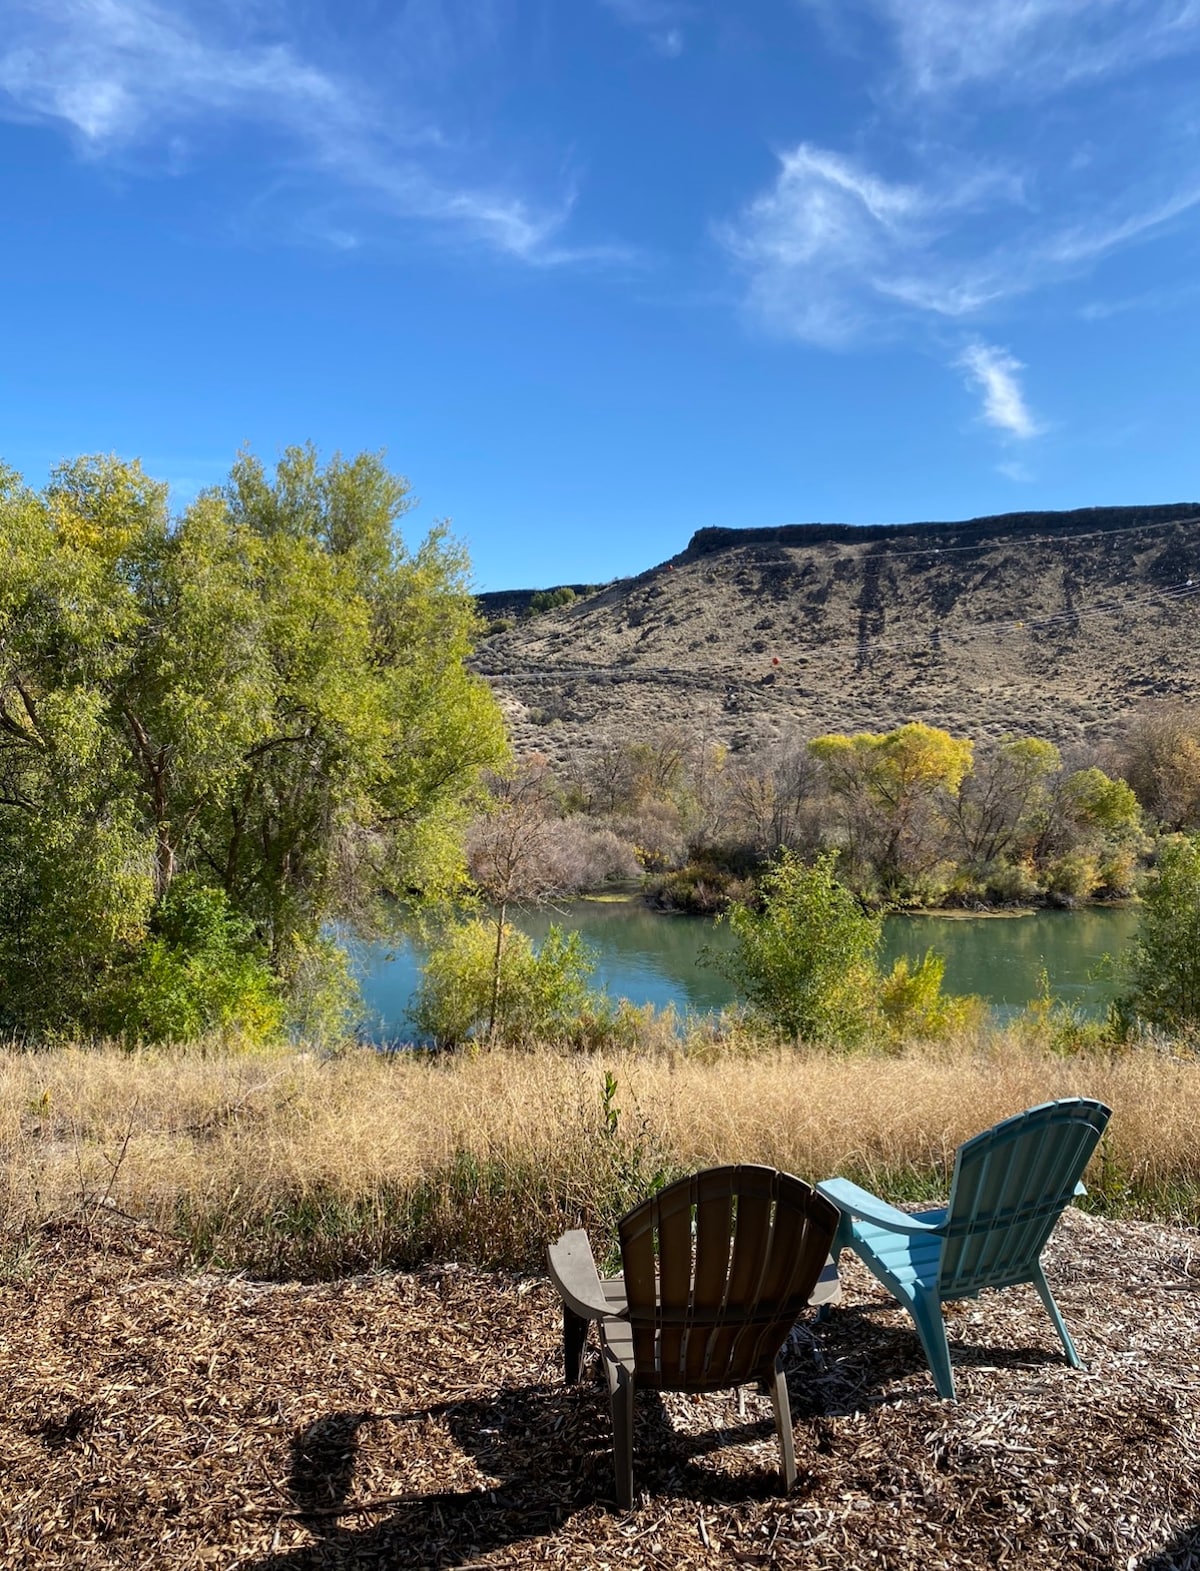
(650, 958)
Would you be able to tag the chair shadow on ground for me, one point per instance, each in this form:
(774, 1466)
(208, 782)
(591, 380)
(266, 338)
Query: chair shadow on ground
(1181, 1554)
(549, 1450)
(850, 1361)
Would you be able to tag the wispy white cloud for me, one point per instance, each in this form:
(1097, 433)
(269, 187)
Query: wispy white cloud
(1023, 47)
(833, 250)
(1155, 300)
(114, 69)
(833, 253)
(994, 374)
(1109, 232)
(125, 75)
(925, 227)
(660, 20)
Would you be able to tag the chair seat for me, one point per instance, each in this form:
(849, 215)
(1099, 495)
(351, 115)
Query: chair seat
(912, 1259)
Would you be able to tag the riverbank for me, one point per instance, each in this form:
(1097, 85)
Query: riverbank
(651, 958)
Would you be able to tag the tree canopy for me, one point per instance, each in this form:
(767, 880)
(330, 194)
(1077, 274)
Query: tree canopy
(1164, 969)
(266, 695)
(893, 784)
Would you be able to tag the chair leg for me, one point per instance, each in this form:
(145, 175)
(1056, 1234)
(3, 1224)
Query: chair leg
(575, 1330)
(926, 1311)
(783, 1423)
(840, 1240)
(1052, 1309)
(620, 1395)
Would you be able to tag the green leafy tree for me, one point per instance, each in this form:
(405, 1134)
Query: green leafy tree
(1164, 963)
(1091, 835)
(806, 961)
(1099, 802)
(200, 969)
(912, 1004)
(530, 996)
(268, 693)
(543, 600)
(1002, 804)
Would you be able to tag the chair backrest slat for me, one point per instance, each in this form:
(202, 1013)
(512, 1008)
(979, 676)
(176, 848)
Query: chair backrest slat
(717, 1268)
(718, 1214)
(1010, 1185)
(675, 1261)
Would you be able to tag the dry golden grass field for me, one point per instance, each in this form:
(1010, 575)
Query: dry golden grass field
(482, 1158)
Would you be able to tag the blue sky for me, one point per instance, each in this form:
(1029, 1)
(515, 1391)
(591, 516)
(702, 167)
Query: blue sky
(597, 273)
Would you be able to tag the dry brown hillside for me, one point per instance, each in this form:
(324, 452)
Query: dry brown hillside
(1060, 625)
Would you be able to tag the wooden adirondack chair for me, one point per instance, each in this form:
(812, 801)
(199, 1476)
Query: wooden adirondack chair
(717, 1268)
(1010, 1186)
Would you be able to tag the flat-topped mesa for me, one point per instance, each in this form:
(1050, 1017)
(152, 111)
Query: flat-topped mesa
(1060, 625)
(998, 526)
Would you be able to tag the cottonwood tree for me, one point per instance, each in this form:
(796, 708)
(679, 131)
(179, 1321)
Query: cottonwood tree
(894, 789)
(1092, 834)
(1161, 761)
(267, 693)
(1002, 805)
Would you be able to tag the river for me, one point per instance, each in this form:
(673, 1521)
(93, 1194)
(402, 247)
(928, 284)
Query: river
(650, 958)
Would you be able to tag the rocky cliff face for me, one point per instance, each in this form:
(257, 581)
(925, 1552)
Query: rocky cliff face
(1060, 625)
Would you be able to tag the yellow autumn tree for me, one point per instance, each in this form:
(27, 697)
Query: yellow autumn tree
(893, 790)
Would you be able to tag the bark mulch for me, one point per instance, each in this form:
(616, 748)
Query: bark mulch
(150, 1418)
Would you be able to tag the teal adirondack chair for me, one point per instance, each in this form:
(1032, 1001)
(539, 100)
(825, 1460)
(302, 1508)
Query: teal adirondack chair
(1010, 1186)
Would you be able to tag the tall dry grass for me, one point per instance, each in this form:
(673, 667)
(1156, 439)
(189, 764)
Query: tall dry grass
(309, 1165)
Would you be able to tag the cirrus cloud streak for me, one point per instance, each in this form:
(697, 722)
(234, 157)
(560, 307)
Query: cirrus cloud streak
(131, 77)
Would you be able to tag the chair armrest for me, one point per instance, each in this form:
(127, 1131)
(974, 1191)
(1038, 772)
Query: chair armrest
(573, 1271)
(853, 1201)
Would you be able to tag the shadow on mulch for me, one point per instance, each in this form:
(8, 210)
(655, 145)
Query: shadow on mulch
(1181, 1554)
(548, 1447)
(859, 1361)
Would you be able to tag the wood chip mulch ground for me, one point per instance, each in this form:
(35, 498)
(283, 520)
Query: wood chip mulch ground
(153, 1419)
